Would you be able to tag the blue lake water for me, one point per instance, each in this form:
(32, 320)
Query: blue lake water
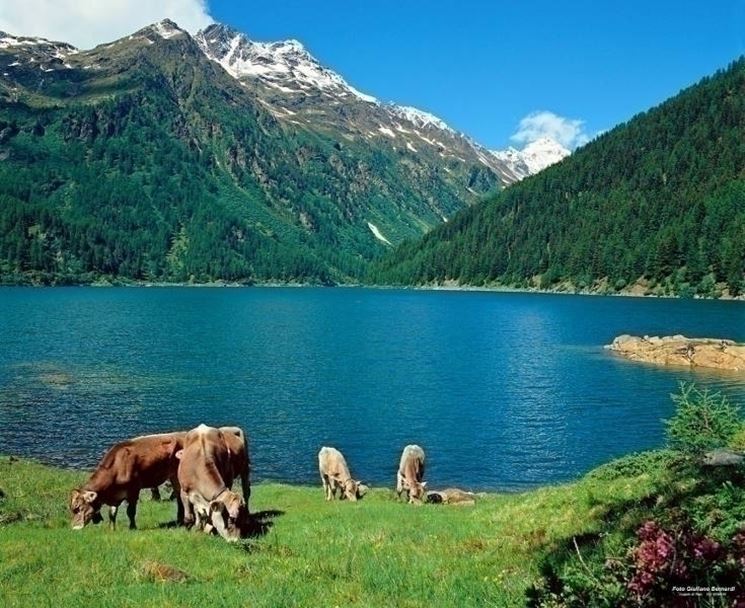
(503, 390)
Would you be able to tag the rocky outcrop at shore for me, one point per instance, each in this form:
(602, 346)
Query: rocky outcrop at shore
(679, 350)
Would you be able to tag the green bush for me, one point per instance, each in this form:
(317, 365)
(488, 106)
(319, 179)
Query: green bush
(737, 441)
(703, 420)
(633, 465)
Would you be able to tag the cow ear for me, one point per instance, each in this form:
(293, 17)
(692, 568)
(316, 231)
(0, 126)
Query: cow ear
(179, 454)
(216, 506)
(89, 496)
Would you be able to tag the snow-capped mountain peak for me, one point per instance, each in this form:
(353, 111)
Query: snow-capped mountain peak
(165, 29)
(285, 65)
(534, 157)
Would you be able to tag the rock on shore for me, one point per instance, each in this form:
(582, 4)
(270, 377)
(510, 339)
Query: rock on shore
(679, 350)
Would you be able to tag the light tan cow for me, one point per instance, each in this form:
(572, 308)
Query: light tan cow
(127, 468)
(335, 474)
(410, 474)
(205, 474)
(239, 458)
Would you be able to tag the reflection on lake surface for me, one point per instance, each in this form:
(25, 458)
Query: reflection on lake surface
(502, 390)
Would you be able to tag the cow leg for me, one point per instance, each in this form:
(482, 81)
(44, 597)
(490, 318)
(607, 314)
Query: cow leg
(112, 516)
(325, 484)
(246, 486)
(188, 509)
(132, 510)
(399, 485)
(179, 502)
(155, 494)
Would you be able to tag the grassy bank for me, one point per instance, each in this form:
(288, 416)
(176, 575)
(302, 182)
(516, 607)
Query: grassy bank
(376, 552)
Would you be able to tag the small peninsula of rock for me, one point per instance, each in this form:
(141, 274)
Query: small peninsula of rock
(680, 350)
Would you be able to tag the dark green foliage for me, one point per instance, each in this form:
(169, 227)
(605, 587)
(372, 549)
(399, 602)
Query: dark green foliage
(703, 421)
(155, 165)
(634, 465)
(659, 200)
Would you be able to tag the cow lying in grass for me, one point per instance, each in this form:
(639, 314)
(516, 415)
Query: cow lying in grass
(451, 496)
(335, 475)
(127, 468)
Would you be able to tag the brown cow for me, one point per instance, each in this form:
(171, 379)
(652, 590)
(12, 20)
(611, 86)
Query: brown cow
(335, 474)
(128, 467)
(205, 474)
(410, 474)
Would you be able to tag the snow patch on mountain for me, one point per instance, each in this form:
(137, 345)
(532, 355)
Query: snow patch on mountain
(377, 234)
(58, 50)
(534, 157)
(418, 117)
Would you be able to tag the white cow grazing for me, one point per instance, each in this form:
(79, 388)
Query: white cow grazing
(410, 474)
(335, 474)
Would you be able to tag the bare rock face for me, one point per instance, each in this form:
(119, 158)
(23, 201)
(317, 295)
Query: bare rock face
(723, 458)
(679, 350)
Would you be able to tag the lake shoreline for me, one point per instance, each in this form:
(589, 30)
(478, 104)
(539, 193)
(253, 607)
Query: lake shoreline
(308, 485)
(432, 288)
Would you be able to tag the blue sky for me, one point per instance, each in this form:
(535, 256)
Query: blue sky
(481, 66)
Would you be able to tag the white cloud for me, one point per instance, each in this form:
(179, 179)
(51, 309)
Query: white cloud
(569, 132)
(86, 23)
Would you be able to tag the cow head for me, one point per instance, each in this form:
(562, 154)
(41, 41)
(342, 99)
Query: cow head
(354, 489)
(229, 515)
(84, 508)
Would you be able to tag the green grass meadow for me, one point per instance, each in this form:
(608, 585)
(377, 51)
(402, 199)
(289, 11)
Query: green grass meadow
(376, 552)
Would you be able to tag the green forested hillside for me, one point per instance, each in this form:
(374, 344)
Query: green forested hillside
(144, 160)
(657, 203)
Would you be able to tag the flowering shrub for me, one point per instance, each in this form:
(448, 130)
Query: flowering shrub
(667, 563)
(684, 544)
(662, 567)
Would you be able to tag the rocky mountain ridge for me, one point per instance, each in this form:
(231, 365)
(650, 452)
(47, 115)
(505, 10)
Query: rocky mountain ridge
(298, 89)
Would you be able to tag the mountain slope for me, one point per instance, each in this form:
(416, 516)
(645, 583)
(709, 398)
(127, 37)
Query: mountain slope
(148, 160)
(657, 203)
